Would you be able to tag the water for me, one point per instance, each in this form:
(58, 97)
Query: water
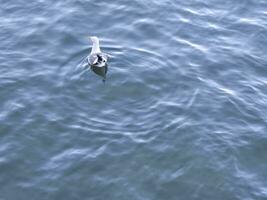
(182, 114)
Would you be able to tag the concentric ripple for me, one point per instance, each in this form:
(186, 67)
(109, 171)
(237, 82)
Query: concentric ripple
(182, 114)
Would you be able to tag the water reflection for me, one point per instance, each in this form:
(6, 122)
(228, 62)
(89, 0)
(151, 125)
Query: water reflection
(100, 71)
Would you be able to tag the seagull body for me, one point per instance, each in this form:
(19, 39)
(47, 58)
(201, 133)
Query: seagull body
(96, 57)
(98, 60)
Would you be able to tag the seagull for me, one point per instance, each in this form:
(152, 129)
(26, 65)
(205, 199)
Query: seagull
(98, 60)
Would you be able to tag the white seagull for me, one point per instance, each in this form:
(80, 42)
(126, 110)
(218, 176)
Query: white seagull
(96, 58)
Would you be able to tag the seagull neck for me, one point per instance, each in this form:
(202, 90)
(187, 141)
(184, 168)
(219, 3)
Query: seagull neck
(95, 48)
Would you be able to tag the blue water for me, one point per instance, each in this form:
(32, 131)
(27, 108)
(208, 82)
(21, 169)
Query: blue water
(182, 115)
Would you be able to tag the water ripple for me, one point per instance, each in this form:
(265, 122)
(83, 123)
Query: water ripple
(182, 113)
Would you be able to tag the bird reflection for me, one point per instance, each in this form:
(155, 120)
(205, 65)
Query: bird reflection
(100, 71)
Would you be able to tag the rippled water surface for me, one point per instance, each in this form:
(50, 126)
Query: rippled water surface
(182, 114)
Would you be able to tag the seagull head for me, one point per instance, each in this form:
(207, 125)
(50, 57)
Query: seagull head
(94, 39)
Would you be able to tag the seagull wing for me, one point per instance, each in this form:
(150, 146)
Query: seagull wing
(92, 59)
